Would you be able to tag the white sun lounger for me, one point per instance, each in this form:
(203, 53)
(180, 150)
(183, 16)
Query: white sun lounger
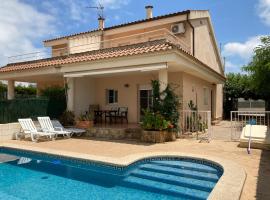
(46, 125)
(29, 128)
(74, 131)
(259, 135)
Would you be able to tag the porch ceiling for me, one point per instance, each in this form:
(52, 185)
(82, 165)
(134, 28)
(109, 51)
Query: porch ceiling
(115, 71)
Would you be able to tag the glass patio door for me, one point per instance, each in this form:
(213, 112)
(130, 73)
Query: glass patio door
(145, 100)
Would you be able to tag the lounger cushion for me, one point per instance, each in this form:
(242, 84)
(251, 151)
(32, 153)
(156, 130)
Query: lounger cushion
(257, 131)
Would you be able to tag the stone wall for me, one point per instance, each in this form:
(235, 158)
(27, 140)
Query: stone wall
(115, 133)
(8, 131)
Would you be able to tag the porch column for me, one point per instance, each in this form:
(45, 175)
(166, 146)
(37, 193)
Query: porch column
(11, 90)
(163, 79)
(70, 94)
(38, 93)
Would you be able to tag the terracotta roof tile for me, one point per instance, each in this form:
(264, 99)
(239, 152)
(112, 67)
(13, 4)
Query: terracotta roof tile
(128, 50)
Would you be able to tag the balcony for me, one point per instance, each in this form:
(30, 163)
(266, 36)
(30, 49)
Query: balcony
(91, 46)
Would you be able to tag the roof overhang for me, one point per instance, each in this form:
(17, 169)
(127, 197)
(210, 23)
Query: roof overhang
(119, 70)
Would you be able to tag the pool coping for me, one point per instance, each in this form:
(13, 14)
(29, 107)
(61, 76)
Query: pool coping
(229, 186)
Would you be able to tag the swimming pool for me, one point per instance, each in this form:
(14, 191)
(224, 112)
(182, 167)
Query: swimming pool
(32, 175)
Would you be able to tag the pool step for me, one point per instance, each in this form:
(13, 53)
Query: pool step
(187, 166)
(164, 188)
(180, 172)
(174, 180)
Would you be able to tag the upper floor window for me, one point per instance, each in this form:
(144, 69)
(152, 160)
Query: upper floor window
(111, 96)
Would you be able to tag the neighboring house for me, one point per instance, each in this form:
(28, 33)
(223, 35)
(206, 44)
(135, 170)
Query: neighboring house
(115, 65)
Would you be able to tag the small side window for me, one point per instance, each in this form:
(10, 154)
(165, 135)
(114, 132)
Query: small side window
(205, 96)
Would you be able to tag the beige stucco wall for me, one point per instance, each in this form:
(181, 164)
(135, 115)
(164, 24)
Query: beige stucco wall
(8, 131)
(218, 104)
(84, 43)
(127, 96)
(204, 44)
(151, 33)
(84, 94)
(93, 91)
(193, 85)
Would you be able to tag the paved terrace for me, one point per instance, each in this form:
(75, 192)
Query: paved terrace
(257, 164)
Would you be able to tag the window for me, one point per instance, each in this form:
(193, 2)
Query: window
(111, 96)
(205, 96)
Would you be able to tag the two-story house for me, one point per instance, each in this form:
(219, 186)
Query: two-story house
(115, 65)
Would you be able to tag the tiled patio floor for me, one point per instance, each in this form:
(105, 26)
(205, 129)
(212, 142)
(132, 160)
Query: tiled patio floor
(257, 164)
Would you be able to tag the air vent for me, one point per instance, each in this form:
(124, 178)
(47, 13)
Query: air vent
(178, 28)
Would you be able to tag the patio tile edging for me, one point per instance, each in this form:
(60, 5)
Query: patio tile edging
(229, 186)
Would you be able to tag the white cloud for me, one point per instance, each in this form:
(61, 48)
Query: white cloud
(229, 64)
(111, 4)
(20, 25)
(243, 50)
(264, 11)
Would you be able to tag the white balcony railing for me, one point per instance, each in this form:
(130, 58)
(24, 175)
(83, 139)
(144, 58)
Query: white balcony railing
(120, 41)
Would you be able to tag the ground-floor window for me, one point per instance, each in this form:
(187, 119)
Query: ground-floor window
(111, 96)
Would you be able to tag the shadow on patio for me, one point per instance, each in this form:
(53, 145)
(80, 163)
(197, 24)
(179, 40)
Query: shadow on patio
(263, 179)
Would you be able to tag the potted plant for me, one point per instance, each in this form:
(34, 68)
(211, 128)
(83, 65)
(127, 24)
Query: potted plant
(67, 118)
(167, 103)
(85, 121)
(154, 127)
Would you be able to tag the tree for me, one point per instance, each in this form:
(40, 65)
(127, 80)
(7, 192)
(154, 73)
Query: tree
(259, 69)
(237, 86)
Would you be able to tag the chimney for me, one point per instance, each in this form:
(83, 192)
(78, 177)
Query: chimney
(101, 23)
(149, 12)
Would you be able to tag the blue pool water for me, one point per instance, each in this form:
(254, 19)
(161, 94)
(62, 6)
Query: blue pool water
(33, 176)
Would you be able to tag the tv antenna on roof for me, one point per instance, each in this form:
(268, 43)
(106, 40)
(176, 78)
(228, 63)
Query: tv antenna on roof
(100, 9)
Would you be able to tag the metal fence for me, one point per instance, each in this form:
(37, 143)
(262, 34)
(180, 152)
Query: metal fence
(198, 122)
(240, 118)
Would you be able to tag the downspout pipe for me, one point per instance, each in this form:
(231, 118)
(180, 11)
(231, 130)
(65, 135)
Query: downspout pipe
(193, 34)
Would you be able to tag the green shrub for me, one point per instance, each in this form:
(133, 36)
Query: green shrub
(12, 110)
(167, 104)
(57, 100)
(154, 121)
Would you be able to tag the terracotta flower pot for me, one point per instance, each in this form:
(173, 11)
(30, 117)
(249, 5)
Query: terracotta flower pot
(84, 124)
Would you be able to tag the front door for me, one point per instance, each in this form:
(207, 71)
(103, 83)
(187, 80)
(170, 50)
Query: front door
(145, 100)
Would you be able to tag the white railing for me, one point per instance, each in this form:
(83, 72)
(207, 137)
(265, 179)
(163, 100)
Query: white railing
(240, 118)
(120, 41)
(29, 56)
(198, 122)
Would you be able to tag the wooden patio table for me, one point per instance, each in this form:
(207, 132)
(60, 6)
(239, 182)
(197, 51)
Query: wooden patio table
(107, 113)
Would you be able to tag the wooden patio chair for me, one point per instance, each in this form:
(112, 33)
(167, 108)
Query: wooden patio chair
(123, 114)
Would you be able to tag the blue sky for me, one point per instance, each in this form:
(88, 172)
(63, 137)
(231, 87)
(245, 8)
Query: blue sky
(24, 24)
